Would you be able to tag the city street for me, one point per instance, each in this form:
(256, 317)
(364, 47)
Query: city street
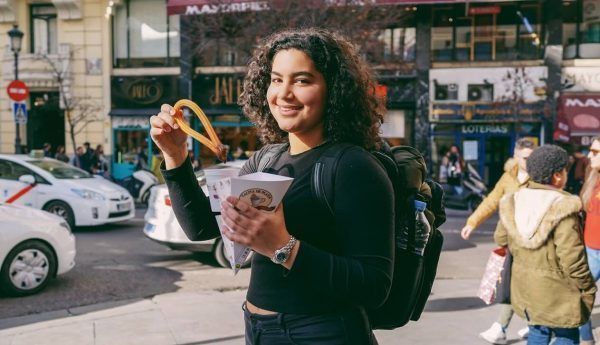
(121, 272)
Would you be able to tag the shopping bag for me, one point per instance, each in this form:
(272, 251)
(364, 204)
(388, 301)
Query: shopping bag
(503, 285)
(493, 271)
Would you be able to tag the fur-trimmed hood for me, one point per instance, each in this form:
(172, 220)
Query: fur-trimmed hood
(531, 214)
(510, 166)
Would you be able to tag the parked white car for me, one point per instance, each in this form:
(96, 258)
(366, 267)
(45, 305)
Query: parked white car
(54, 186)
(35, 246)
(162, 226)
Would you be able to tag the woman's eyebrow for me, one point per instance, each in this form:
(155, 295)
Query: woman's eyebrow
(295, 74)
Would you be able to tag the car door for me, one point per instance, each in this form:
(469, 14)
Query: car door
(11, 188)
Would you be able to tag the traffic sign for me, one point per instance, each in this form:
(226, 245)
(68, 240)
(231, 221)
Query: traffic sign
(17, 91)
(20, 112)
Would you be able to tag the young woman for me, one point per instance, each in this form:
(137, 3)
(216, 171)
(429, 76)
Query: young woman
(310, 89)
(590, 195)
(551, 284)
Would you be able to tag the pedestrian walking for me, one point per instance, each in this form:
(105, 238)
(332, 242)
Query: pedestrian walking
(590, 196)
(76, 159)
(47, 148)
(309, 89)
(551, 287)
(578, 167)
(61, 155)
(515, 177)
(86, 160)
(452, 167)
(99, 162)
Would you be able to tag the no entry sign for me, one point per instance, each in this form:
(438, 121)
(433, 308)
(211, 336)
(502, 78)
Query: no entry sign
(17, 91)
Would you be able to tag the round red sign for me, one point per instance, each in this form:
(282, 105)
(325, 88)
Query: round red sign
(17, 91)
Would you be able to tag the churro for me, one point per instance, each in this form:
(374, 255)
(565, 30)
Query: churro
(214, 144)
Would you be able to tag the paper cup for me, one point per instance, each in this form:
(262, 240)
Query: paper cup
(212, 176)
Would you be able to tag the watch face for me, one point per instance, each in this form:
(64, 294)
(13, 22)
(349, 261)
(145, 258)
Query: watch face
(281, 256)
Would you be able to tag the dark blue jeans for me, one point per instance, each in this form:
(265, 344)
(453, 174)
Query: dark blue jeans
(343, 328)
(541, 335)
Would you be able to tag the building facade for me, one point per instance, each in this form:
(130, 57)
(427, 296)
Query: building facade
(476, 74)
(64, 61)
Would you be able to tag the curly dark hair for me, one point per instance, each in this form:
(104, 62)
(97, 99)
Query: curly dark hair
(352, 109)
(545, 161)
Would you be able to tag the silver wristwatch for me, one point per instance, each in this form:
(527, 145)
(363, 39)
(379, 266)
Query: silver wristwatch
(283, 254)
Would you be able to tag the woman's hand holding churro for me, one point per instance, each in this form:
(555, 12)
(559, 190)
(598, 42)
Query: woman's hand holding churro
(169, 131)
(169, 137)
(214, 144)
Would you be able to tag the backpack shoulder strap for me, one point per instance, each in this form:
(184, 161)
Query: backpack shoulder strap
(270, 154)
(322, 183)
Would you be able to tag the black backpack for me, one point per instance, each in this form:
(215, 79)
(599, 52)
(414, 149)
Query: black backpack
(413, 275)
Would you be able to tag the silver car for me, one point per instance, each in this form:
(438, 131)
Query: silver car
(162, 226)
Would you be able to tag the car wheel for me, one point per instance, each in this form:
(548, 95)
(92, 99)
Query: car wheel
(27, 269)
(145, 197)
(61, 209)
(221, 256)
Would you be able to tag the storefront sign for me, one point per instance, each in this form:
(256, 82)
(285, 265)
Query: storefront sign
(200, 7)
(484, 10)
(217, 90)
(143, 92)
(582, 78)
(468, 111)
(484, 129)
(579, 115)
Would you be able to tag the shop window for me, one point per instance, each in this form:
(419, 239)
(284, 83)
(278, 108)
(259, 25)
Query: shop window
(590, 30)
(218, 51)
(144, 36)
(483, 32)
(529, 46)
(442, 33)
(130, 146)
(398, 44)
(505, 35)
(44, 29)
(581, 29)
(569, 28)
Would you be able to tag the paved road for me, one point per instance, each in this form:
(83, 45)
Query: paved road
(114, 262)
(117, 262)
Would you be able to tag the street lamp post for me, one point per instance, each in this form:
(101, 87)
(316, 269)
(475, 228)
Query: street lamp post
(16, 37)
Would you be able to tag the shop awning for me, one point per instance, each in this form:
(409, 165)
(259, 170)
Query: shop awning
(195, 7)
(578, 116)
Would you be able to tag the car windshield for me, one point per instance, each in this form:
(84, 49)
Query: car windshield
(60, 170)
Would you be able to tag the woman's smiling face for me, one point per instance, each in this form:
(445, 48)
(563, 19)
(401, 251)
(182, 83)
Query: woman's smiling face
(297, 93)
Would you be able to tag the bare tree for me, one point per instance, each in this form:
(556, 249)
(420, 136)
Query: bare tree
(237, 33)
(517, 82)
(80, 111)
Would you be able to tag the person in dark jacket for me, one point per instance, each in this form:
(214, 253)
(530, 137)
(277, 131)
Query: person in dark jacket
(310, 90)
(61, 155)
(86, 160)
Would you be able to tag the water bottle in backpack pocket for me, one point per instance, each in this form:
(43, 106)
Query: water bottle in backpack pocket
(422, 228)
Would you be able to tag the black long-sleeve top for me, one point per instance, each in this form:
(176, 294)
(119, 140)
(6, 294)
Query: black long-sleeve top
(344, 259)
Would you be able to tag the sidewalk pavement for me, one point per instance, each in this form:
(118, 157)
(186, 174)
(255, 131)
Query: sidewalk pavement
(207, 314)
(453, 316)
